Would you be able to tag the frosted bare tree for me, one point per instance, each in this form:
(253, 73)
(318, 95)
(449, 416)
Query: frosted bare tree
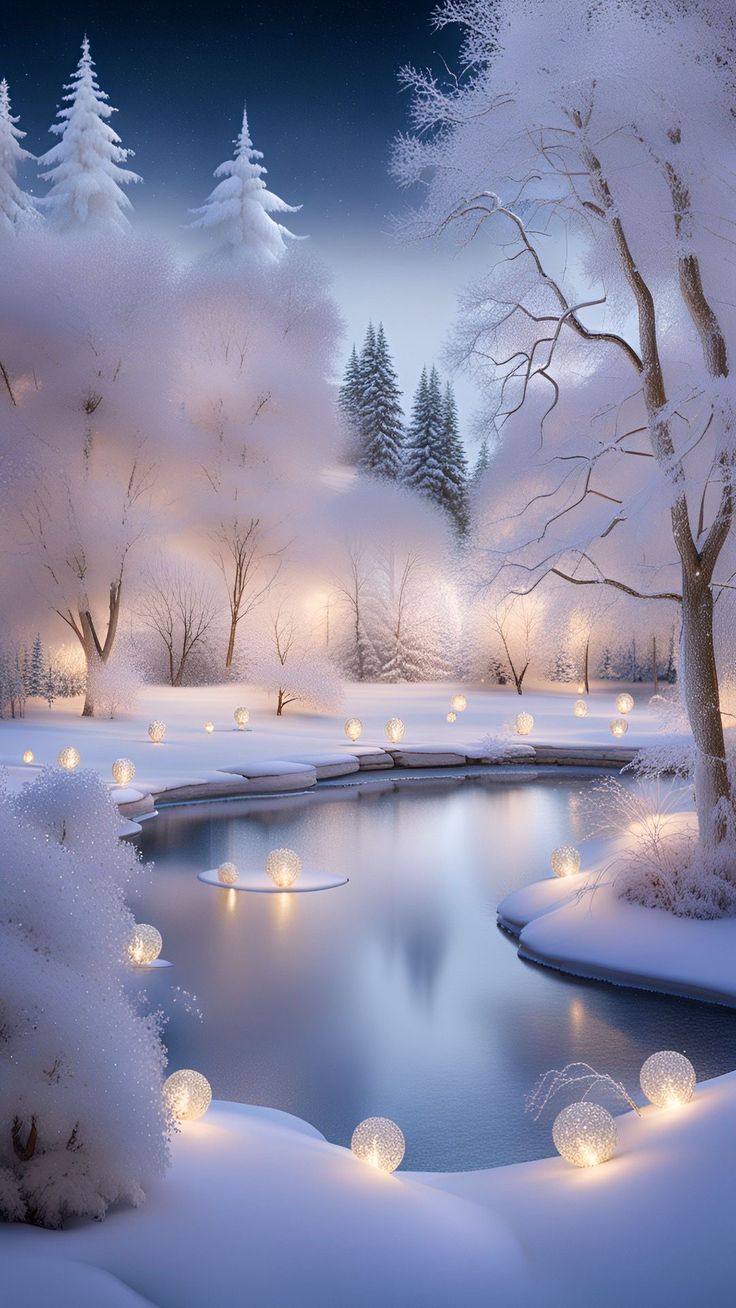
(249, 566)
(180, 608)
(595, 148)
(515, 621)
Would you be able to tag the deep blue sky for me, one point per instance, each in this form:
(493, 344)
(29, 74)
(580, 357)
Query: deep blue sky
(323, 104)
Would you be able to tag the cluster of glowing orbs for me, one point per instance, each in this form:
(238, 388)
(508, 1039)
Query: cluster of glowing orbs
(68, 758)
(395, 730)
(187, 1094)
(227, 874)
(619, 727)
(379, 1142)
(459, 703)
(145, 944)
(353, 728)
(123, 771)
(585, 1134)
(241, 717)
(668, 1079)
(624, 702)
(283, 866)
(580, 708)
(156, 731)
(451, 716)
(209, 727)
(565, 860)
(28, 756)
(524, 724)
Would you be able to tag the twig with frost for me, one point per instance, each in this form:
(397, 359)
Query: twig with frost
(572, 1074)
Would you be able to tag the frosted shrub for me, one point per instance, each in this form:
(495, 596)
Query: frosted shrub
(115, 684)
(82, 1124)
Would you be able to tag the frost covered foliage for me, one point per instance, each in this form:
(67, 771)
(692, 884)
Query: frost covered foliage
(287, 660)
(662, 863)
(82, 1122)
(113, 685)
(16, 207)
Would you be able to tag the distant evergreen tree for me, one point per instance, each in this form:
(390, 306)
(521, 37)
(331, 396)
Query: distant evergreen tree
(350, 398)
(35, 676)
(379, 419)
(482, 462)
(423, 470)
(16, 207)
(454, 464)
(607, 669)
(50, 686)
(563, 667)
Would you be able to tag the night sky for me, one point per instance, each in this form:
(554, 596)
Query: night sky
(323, 105)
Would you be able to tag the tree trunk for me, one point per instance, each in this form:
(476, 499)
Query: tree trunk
(700, 682)
(280, 703)
(229, 656)
(586, 666)
(655, 675)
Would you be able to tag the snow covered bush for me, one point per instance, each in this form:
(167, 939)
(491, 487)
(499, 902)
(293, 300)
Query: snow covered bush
(286, 660)
(114, 685)
(82, 1123)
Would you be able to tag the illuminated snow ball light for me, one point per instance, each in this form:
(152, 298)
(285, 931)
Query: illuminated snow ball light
(283, 866)
(451, 716)
(581, 688)
(668, 1079)
(395, 730)
(123, 771)
(459, 703)
(619, 727)
(145, 944)
(227, 873)
(580, 708)
(28, 756)
(242, 718)
(68, 758)
(156, 731)
(379, 1142)
(624, 703)
(353, 728)
(565, 860)
(209, 727)
(187, 1094)
(524, 724)
(585, 1134)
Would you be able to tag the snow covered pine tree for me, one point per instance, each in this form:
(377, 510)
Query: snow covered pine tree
(16, 207)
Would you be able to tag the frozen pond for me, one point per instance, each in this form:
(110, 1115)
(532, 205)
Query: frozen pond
(395, 994)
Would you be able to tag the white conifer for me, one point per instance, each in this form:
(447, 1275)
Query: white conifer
(16, 207)
(84, 168)
(238, 211)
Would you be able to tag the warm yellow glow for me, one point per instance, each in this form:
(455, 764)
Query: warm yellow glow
(524, 724)
(624, 702)
(68, 758)
(283, 866)
(353, 728)
(451, 716)
(209, 727)
(145, 944)
(123, 771)
(580, 708)
(379, 1142)
(395, 730)
(581, 688)
(156, 731)
(459, 703)
(28, 756)
(585, 1134)
(668, 1079)
(619, 727)
(187, 1095)
(565, 860)
(242, 717)
(227, 874)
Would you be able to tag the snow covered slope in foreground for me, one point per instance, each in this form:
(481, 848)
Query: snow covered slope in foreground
(258, 1208)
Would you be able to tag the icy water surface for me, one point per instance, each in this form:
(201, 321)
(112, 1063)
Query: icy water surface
(396, 994)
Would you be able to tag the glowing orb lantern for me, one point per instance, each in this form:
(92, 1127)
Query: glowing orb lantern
(123, 771)
(353, 728)
(451, 716)
(209, 727)
(145, 944)
(524, 724)
(68, 758)
(580, 708)
(227, 874)
(379, 1142)
(585, 1134)
(395, 730)
(187, 1095)
(624, 703)
(283, 866)
(156, 731)
(242, 718)
(28, 756)
(668, 1079)
(619, 727)
(565, 860)
(459, 703)
(581, 688)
